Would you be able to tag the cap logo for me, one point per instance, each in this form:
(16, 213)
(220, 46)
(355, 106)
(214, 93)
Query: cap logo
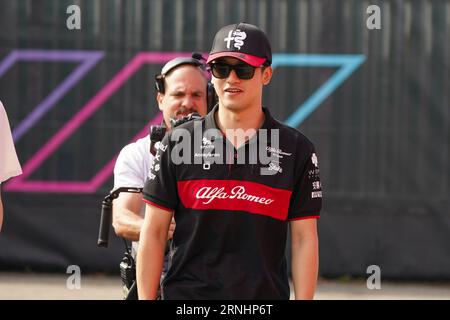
(236, 36)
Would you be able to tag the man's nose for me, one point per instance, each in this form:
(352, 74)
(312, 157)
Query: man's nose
(232, 77)
(188, 102)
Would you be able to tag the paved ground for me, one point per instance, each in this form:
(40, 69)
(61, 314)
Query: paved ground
(99, 287)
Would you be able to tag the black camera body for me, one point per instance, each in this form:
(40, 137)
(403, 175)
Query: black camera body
(156, 134)
(128, 276)
(127, 270)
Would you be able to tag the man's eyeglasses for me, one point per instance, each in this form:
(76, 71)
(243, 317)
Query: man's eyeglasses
(222, 70)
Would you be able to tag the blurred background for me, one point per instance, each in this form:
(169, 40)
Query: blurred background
(375, 102)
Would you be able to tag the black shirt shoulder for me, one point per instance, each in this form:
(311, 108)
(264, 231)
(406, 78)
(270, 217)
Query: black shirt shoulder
(294, 136)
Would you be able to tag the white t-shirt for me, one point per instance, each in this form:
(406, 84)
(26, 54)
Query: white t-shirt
(133, 164)
(9, 164)
(132, 167)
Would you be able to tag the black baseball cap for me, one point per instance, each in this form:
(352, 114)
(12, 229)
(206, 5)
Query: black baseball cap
(243, 41)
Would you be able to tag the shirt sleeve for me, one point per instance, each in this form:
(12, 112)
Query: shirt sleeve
(306, 199)
(9, 163)
(130, 168)
(161, 186)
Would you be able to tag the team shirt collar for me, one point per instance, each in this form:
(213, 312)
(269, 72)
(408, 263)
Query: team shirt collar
(210, 121)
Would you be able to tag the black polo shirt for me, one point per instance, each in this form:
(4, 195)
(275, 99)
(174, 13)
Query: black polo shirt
(232, 217)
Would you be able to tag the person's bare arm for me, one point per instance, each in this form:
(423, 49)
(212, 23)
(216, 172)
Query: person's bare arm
(127, 221)
(305, 257)
(150, 257)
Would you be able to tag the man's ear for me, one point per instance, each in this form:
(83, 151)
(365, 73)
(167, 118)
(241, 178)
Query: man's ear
(267, 75)
(159, 99)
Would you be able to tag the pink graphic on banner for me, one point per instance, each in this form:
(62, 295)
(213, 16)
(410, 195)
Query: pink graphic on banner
(22, 184)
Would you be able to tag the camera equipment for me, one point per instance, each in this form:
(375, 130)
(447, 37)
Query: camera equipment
(156, 134)
(128, 265)
(106, 215)
(189, 117)
(128, 275)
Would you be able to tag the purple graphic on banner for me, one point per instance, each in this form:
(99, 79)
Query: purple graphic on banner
(23, 184)
(87, 58)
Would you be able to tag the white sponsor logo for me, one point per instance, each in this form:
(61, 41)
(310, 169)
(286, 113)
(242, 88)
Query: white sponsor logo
(207, 147)
(162, 147)
(316, 194)
(238, 192)
(277, 152)
(206, 142)
(206, 155)
(314, 160)
(237, 36)
(316, 185)
(275, 167)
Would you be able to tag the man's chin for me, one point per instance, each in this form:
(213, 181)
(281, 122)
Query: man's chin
(232, 106)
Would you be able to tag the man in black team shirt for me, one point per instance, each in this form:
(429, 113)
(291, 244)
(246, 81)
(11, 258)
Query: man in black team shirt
(233, 192)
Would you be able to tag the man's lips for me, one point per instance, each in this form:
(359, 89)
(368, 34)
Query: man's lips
(233, 90)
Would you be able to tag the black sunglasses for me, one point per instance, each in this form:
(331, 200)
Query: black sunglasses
(222, 70)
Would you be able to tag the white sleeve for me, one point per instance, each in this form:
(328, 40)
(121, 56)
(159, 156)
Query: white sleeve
(132, 165)
(9, 164)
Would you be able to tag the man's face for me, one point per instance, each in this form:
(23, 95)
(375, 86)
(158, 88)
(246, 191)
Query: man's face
(238, 94)
(185, 92)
